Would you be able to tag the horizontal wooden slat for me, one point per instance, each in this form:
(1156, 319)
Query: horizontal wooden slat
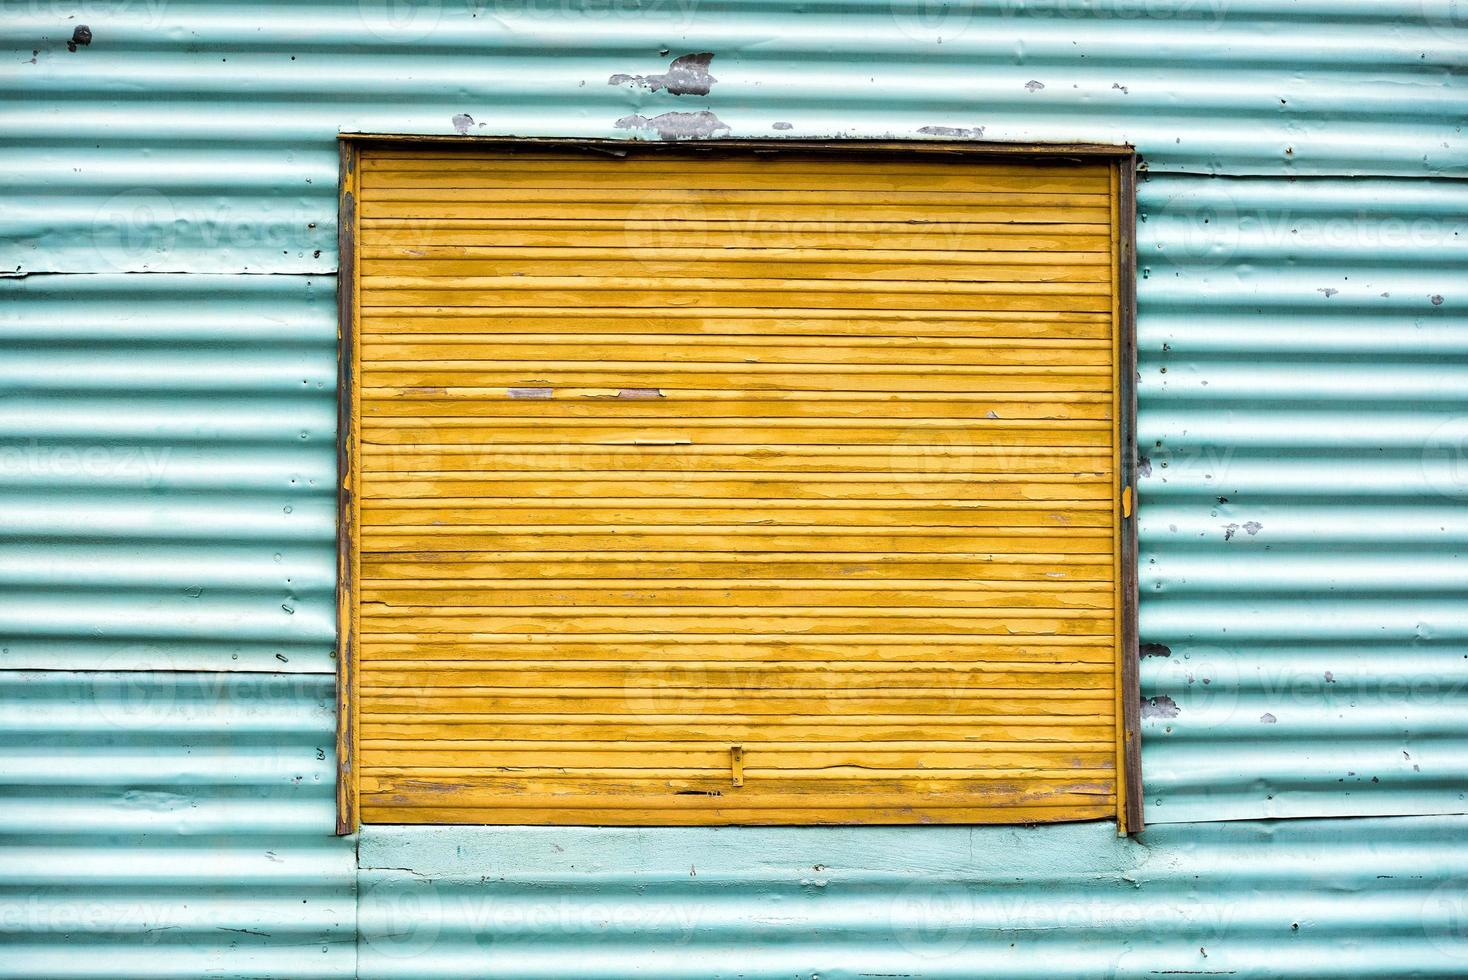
(379, 178)
(695, 678)
(722, 259)
(652, 403)
(549, 621)
(673, 490)
(1025, 297)
(831, 378)
(438, 350)
(853, 812)
(731, 539)
(1004, 433)
(1080, 596)
(608, 793)
(709, 208)
(742, 728)
(911, 160)
(928, 457)
(712, 267)
(668, 232)
(721, 203)
(874, 648)
(673, 185)
(974, 328)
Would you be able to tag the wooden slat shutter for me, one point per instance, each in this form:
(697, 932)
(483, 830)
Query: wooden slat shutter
(736, 488)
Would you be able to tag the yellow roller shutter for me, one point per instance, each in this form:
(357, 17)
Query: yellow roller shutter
(735, 487)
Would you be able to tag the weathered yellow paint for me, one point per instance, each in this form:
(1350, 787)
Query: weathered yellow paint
(774, 489)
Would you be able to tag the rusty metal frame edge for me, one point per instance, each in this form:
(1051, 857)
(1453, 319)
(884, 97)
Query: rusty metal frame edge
(1123, 156)
(1126, 378)
(347, 813)
(863, 146)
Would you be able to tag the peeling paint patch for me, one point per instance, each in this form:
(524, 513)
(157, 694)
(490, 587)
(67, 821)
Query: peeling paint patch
(640, 393)
(1267, 719)
(1436, 299)
(81, 37)
(1327, 292)
(1160, 706)
(1155, 650)
(463, 122)
(1253, 527)
(782, 126)
(1229, 530)
(1033, 85)
(677, 125)
(955, 131)
(533, 393)
(686, 75)
(1144, 466)
(1121, 88)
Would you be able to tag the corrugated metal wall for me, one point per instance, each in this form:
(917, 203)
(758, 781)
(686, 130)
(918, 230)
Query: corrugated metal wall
(197, 137)
(171, 825)
(1303, 416)
(166, 465)
(168, 472)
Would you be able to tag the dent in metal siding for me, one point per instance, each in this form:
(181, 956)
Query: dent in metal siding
(195, 137)
(168, 472)
(171, 825)
(1302, 899)
(1303, 413)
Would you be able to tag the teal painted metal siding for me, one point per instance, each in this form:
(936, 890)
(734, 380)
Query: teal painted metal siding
(166, 473)
(198, 137)
(1302, 418)
(171, 825)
